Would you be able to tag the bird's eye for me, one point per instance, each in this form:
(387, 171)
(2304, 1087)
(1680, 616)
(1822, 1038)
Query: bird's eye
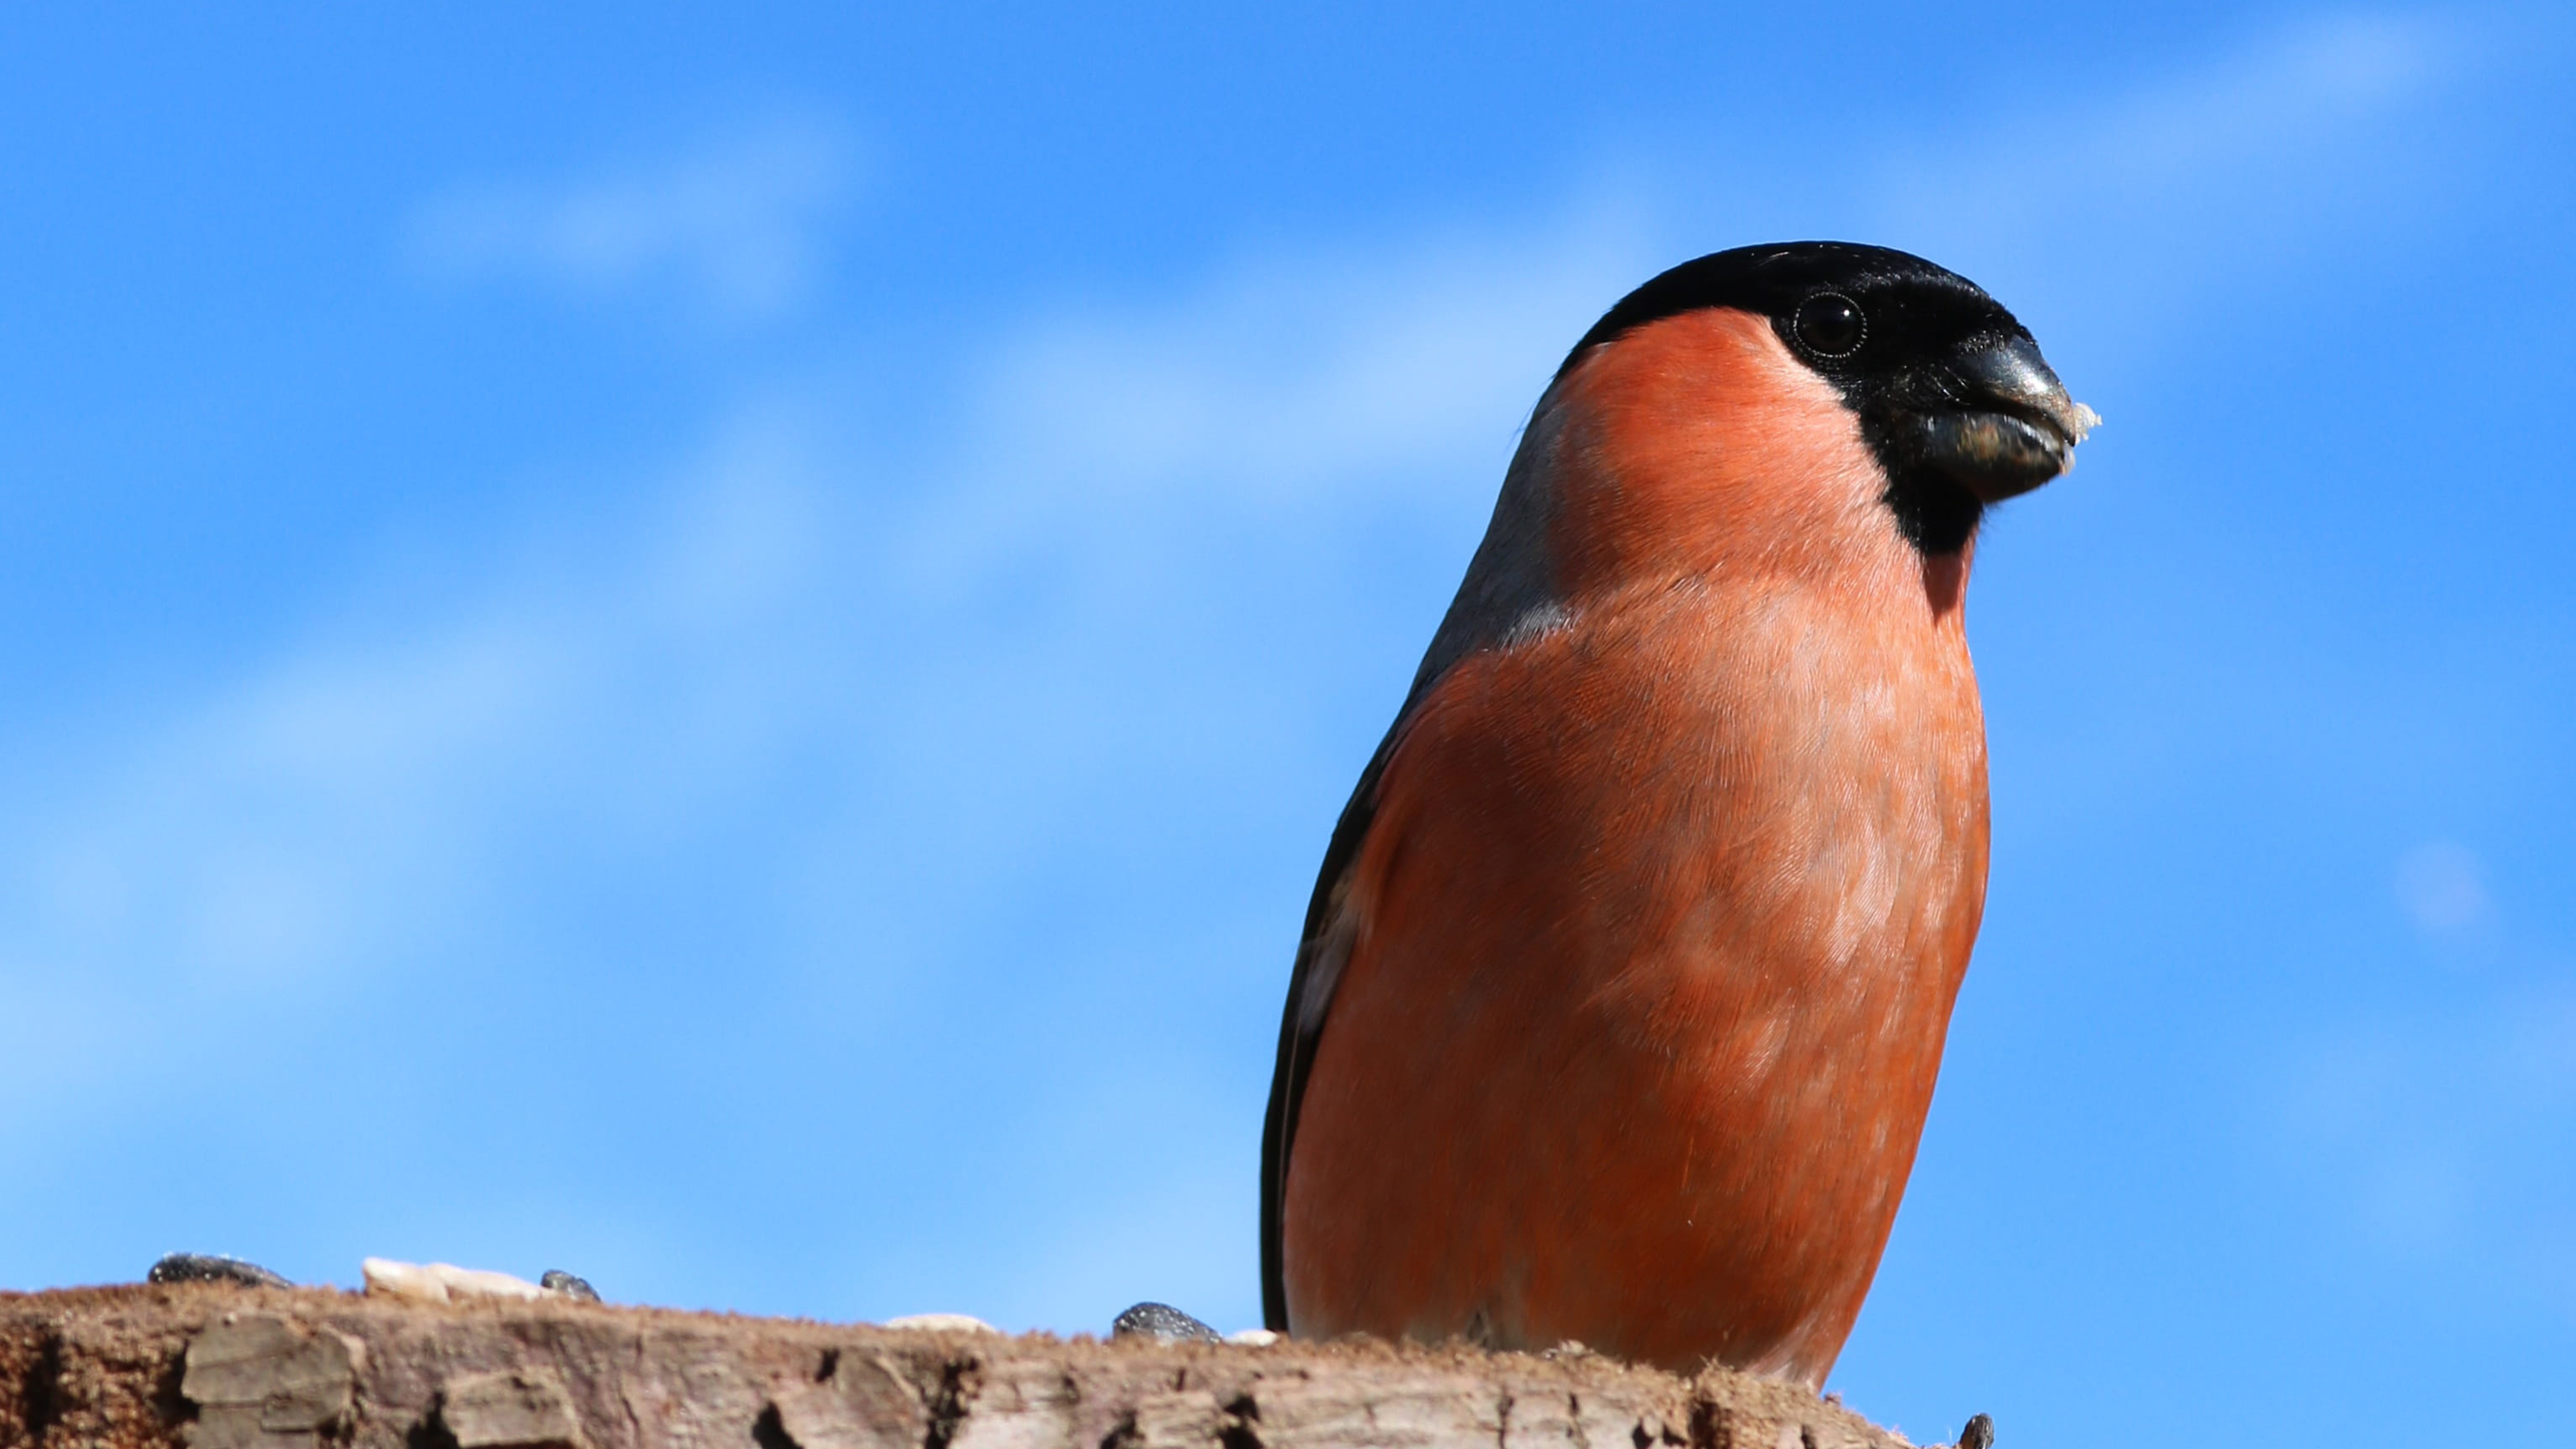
(1830, 325)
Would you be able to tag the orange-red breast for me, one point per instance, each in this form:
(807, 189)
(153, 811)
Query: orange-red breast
(1624, 984)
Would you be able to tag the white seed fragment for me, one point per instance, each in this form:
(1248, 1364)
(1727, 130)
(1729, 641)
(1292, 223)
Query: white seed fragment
(442, 1282)
(941, 1323)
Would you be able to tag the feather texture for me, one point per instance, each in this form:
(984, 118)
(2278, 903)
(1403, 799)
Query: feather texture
(1618, 1017)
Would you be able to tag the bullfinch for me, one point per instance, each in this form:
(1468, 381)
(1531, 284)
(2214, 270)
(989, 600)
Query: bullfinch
(1624, 983)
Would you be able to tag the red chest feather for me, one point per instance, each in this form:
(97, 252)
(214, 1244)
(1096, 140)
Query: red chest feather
(1655, 932)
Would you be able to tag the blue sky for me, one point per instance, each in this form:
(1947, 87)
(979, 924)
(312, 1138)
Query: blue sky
(716, 648)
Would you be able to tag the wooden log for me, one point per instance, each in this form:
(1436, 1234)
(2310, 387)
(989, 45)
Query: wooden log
(215, 1366)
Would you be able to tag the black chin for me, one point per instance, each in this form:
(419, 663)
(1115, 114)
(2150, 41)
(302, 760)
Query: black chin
(1935, 513)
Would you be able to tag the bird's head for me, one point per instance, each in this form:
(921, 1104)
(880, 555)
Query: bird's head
(1951, 395)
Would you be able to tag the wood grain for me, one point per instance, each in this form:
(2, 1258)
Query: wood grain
(213, 1366)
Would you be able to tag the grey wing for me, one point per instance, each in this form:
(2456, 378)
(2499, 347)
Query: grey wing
(1509, 592)
(1321, 951)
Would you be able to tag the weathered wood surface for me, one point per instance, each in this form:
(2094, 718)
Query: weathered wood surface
(219, 1367)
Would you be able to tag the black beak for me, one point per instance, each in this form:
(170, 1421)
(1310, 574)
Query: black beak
(1993, 418)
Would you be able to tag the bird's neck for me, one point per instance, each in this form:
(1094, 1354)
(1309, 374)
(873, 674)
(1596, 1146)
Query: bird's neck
(1700, 449)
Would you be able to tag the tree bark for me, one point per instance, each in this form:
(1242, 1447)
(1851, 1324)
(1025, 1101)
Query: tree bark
(215, 1366)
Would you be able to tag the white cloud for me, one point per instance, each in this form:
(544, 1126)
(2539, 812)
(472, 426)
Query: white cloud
(2104, 211)
(736, 221)
(2302, 86)
(1288, 379)
(356, 808)
(1284, 373)
(788, 620)
(1280, 387)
